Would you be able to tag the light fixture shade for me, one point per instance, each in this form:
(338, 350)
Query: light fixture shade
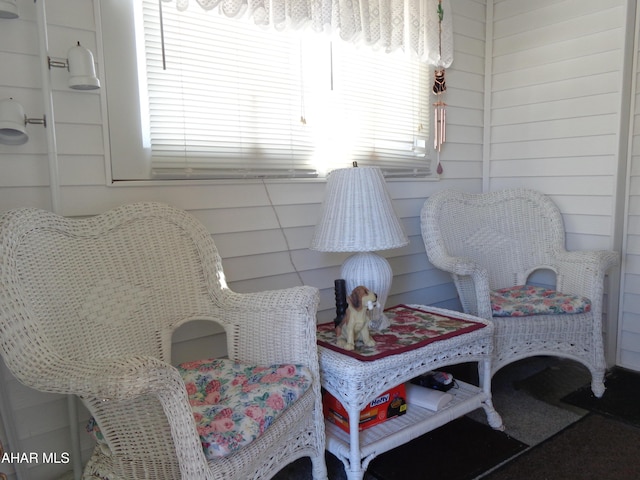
(357, 214)
(12, 123)
(8, 9)
(82, 70)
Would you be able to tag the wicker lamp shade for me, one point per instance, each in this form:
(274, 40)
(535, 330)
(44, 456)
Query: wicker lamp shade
(357, 216)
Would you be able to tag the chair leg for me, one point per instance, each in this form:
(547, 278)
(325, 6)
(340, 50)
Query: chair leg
(319, 467)
(597, 382)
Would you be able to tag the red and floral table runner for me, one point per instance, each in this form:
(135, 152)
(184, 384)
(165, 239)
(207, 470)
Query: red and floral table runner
(410, 328)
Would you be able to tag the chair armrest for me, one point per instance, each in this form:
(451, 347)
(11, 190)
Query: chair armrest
(107, 379)
(302, 296)
(465, 266)
(102, 381)
(275, 326)
(582, 272)
(472, 283)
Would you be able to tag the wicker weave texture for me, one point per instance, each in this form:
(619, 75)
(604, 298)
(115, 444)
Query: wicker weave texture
(498, 239)
(355, 383)
(88, 307)
(357, 214)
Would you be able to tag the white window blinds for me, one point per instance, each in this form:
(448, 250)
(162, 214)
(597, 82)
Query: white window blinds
(237, 101)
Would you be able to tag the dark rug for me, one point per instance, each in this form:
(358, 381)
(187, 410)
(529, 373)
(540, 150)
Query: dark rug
(301, 469)
(436, 455)
(594, 447)
(460, 450)
(620, 399)
(556, 381)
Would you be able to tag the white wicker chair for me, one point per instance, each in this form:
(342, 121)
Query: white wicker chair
(88, 307)
(497, 240)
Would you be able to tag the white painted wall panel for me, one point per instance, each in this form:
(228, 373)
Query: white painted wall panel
(24, 196)
(576, 185)
(593, 85)
(509, 14)
(590, 126)
(226, 220)
(569, 204)
(629, 357)
(81, 169)
(633, 248)
(23, 170)
(589, 242)
(573, 107)
(629, 331)
(562, 167)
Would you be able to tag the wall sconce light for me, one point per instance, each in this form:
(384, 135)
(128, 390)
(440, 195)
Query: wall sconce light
(79, 63)
(13, 122)
(8, 9)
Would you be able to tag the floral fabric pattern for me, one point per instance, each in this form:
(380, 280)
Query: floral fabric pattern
(93, 428)
(234, 403)
(525, 300)
(410, 328)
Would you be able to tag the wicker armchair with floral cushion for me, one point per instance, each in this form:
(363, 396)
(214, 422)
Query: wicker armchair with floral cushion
(88, 307)
(491, 243)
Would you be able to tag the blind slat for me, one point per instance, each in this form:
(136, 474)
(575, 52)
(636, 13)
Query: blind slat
(239, 100)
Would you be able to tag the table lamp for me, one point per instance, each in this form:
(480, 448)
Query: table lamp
(357, 216)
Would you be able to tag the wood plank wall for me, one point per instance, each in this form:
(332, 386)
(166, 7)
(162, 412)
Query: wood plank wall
(629, 329)
(555, 102)
(555, 107)
(261, 229)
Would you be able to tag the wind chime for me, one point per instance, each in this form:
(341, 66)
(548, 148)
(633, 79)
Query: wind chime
(439, 107)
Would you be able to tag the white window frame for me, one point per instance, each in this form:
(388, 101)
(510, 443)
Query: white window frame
(127, 144)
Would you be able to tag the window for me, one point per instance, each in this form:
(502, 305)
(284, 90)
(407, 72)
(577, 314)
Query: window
(226, 99)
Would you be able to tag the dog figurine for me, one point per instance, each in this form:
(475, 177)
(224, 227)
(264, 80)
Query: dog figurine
(355, 324)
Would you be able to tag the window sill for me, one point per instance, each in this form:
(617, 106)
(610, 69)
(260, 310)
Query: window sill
(247, 181)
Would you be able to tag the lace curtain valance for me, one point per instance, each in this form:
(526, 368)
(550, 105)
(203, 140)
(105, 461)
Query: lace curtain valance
(423, 27)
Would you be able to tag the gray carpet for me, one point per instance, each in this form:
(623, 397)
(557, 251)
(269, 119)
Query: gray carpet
(528, 394)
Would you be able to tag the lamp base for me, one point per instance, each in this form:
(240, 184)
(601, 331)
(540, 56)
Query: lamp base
(374, 272)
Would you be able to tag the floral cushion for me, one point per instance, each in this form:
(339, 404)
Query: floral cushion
(234, 403)
(524, 300)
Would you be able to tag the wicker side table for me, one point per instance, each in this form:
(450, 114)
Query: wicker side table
(355, 383)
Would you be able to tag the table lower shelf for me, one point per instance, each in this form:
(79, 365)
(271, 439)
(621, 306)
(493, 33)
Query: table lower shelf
(400, 430)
